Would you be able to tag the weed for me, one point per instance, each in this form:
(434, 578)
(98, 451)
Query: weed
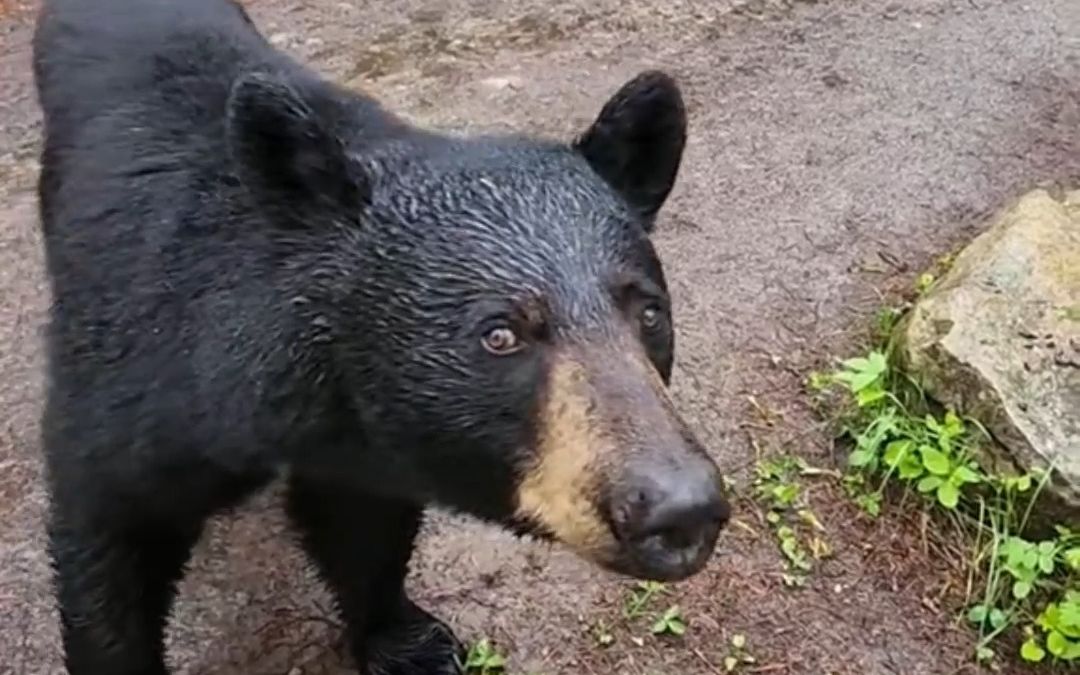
(670, 622)
(775, 482)
(895, 437)
(640, 596)
(1061, 623)
(603, 635)
(796, 527)
(927, 279)
(483, 659)
(793, 550)
(739, 654)
(924, 283)
(885, 323)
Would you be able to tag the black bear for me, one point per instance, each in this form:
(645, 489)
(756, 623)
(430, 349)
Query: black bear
(258, 274)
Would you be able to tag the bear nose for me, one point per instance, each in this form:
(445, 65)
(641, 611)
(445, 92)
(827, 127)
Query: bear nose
(670, 518)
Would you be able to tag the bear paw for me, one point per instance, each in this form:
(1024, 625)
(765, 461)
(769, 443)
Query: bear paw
(417, 644)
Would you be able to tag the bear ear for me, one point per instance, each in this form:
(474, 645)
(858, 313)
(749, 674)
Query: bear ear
(288, 158)
(637, 141)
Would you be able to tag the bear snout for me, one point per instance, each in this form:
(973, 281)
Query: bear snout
(616, 474)
(667, 516)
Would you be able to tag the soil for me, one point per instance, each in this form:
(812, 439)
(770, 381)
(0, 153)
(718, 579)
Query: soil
(836, 148)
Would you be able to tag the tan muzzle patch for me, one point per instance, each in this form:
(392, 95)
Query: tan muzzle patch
(600, 407)
(559, 491)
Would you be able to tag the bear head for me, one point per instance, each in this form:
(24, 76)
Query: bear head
(495, 312)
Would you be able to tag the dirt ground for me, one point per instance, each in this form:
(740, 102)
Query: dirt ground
(836, 147)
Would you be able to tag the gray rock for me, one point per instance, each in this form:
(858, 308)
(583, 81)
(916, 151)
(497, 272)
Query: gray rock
(998, 338)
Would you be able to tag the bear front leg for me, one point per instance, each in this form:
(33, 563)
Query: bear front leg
(115, 584)
(361, 545)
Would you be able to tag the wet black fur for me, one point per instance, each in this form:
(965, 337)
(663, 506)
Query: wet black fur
(256, 272)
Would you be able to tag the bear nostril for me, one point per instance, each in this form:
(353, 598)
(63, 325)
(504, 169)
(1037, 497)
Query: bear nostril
(680, 515)
(681, 522)
(631, 514)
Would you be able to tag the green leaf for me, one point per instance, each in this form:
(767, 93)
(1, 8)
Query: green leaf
(1072, 557)
(1031, 651)
(875, 435)
(482, 656)
(860, 458)
(860, 373)
(480, 650)
(978, 614)
(932, 424)
(1056, 643)
(954, 426)
(730, 663)
(984, 654)
(869, 502)
(738, 641)
(785, 494)
(670, 622)
(1072, 653)
(1049, 618)
(924, 282)
(897, 451)
(945, 445)
(911, 468)
(1046, 564)
(1018, 553)
(856, 365)
(935, 461)
(929, 484)
(948, 495)
(965, 474)
(1069, 619)
(868, 396)
(878, 363)
(1021, 589)
(1015, 483)
(862, 381)
(997, 618)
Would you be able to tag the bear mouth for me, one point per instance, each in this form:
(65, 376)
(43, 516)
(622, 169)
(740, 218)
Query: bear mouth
(655, 562)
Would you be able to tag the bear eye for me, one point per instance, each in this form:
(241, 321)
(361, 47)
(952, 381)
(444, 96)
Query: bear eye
(651, 317)
(501, 341)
